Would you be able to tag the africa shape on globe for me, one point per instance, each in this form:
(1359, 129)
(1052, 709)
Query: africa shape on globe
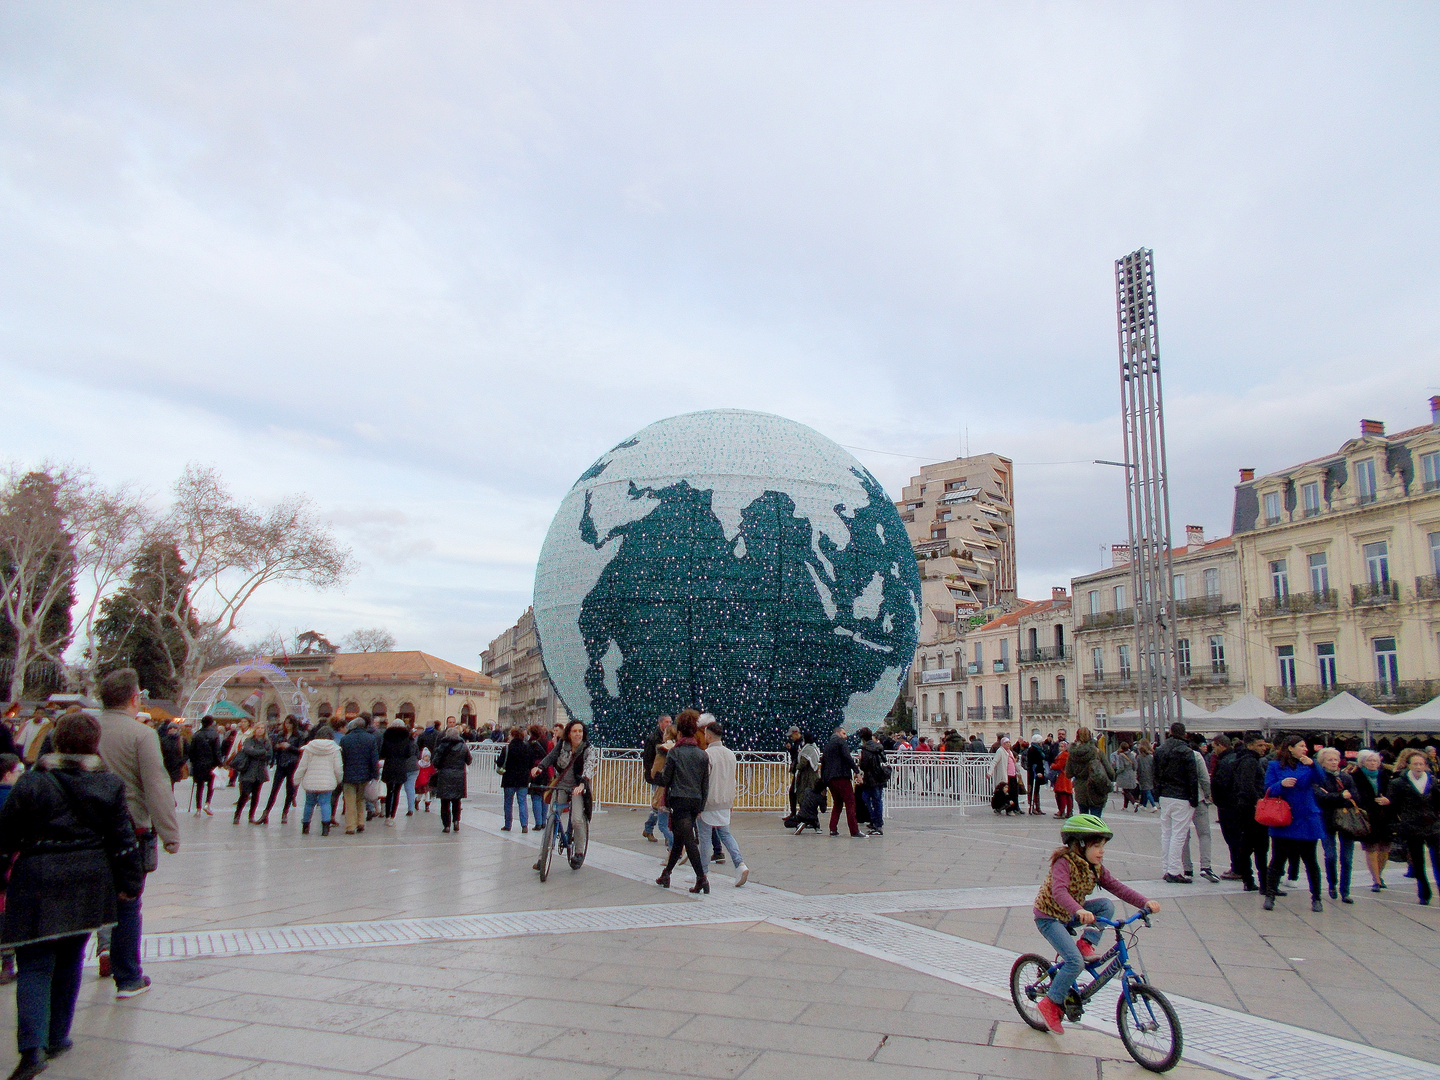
(729, 561)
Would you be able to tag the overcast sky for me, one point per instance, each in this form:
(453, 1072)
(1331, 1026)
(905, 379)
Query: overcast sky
(426, 262)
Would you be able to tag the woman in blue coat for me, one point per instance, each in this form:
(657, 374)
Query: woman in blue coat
(1294, 776)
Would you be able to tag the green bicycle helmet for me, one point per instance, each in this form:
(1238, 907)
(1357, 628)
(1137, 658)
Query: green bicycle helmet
(1085, 826)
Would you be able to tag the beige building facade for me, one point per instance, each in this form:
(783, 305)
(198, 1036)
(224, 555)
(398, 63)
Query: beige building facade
(1340, 558)
(1209, 630)
(1045, 661)
(513, 661)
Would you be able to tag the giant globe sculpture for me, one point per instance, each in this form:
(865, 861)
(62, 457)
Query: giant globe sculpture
(729, 561)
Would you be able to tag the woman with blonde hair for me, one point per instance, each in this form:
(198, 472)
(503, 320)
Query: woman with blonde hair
(1371, 781)
(1415, 797)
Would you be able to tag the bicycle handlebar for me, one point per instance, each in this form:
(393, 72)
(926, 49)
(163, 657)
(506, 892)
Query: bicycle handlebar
(1116, 924)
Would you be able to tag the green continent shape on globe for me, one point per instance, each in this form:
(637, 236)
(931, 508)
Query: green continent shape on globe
(755, 630)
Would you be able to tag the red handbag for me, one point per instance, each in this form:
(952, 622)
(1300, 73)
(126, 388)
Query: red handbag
(1273, 813)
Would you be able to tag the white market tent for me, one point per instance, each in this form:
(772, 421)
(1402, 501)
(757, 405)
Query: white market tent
(1425, 719)
(1248, 711)
(1195, 717)
(1343, 712)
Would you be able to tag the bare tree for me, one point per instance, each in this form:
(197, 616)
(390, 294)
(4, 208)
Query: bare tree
(369, 639)
(230, 551)
(58, 527)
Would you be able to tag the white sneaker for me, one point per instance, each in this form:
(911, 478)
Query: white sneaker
(743, 876)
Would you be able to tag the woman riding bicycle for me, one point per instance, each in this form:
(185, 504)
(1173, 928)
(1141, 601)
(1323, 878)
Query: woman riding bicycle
(1075, 871)
(574, 762)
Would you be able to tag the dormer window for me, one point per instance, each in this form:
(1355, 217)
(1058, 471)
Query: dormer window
(1272, 508)
(1310, 498)
(1365, 480)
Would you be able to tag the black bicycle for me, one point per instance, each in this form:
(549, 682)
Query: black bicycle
(1149, 1026)
(558, 835)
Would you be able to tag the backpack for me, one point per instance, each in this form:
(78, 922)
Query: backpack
(1099, 777)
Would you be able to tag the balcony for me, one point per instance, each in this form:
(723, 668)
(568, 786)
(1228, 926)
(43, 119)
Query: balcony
(1101, 620)
(1427, 588)
(999, 667)
(1305, 603)
(1375, 594)
(975, 712)
(1218, 675)
(1001, 712)
(1405, 694)
(1046, 656)
(1045, 707)
(1204, 605)
(1108, 682)
(972, 669)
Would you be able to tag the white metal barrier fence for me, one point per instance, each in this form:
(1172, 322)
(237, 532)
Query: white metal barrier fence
(762, 779)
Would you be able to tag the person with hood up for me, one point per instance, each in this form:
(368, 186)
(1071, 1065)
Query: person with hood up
(251, 763)
(452, 757)
(319, 773)
(360, 755)
(1090, 773)
(398, 752)
(204, 755)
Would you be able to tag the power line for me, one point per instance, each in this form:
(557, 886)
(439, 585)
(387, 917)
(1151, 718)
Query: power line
(927, 457)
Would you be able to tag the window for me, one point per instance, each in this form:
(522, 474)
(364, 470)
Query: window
(1387, 671)
(1097, 662)
(1119, 597)
(1095, 603)
(940, 702)
(1279, 580)
(925, 706)
(979, 652)
(1034, 689)
(1217, 653)
(1060, 687)
(1005, 694)
(1319, 573)
(1177, 586)
(1285, 657)
(937, 533)
(1310, 498)
(1004, 650)
(1435, 554)
(1212, 581)
(1365, 480)
(1430, 470)
(1182, 654)
(1124, 661)
(1272, 508)
(1325, 661)
(1377, 562)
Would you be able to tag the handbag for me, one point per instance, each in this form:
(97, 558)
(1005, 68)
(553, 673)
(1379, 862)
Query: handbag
(1353, 822)
(1273, 813)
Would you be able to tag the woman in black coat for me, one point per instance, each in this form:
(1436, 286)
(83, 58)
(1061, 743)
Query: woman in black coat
(1415, 800)
(686, 781)
(76, 850)
(286, 745)
(398, 753)
(515, 762)
(451, 759)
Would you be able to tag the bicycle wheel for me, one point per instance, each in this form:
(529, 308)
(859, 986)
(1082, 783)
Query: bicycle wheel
(1029, 979)
(547, 849)
(1149, 1028)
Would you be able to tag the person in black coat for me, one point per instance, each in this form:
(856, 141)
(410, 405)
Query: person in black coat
(172, 750)
(1415, 802)
(399, 754)
(837, 768)
(205, 757)
(451, 758)
(515, 762)
(686, 781)
(77, 852)
(1335, 792)
(285, 747)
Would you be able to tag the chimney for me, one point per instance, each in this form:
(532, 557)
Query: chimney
(1057, 594)
(1119, 554)
(1372, 427)
(1246, 475)
(1435, 409)
(1194, 537)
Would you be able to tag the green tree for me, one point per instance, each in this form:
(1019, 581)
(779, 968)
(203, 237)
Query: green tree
(37, 576)
(135, 627)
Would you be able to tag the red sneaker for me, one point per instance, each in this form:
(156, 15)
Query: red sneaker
(1052, 1015)
(1087, 951)
(105, 964)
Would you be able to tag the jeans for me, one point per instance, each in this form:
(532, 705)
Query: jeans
(1098, 811)
(1072, 963)
(662, 822)
(1282, 849)
(683, 813)
(842, 794)
(1201, 821)
(537, 808)
(1175, 817)
(874, 798)
(410, 791)
(719, 833)
(313, 799)
(125, 944)
(287, 775)
(249, 791)
(512, 796)
(45, 992)
(1330, 842)
(1147, 797)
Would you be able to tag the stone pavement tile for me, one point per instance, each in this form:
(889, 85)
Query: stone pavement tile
(543, 986)
(390, 971)
(838, 1041)
(289, 1012)
(592, 1017)
(666, 971)
(308, 963)
(742, 1006)
(270, 1070)
(507, 1037)
(639, 1052)
(427, 999)
(247, 981)
(299, 1047)
(449, 1063)
(958, 1002)
(175, 1030)
(454, 956)
(986, 1060)
(102, 1059)
(895, 1022)
(778, 1065)
(800, 990)
(162, 997)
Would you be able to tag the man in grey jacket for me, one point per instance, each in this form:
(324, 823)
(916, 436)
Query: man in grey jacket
(131, 750)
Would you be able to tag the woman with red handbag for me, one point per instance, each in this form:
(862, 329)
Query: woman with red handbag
(1290, 783)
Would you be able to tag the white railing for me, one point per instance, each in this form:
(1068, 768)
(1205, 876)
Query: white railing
(762, 780)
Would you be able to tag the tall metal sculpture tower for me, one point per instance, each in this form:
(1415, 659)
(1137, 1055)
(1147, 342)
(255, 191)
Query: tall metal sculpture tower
(1147, 493)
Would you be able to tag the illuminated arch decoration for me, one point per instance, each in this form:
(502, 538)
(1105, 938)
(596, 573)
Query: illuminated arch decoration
(291, 696)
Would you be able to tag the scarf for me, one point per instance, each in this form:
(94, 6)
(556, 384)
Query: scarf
(1373, 775)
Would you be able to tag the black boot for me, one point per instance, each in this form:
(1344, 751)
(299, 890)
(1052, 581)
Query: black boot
(32, 1063)
(325, 828)
(1269, 902)
(305, 828)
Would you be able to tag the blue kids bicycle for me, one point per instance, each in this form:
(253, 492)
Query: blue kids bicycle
(1148, 1025)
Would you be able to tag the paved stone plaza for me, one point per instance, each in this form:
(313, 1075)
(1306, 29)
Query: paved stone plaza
(411, 954)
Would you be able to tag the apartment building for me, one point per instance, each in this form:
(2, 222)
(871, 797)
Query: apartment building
(513, 661)
(1045, 663)
(960, 516)
(1340, 559)
(1209, 629)
(938, 679)
(995, 676)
